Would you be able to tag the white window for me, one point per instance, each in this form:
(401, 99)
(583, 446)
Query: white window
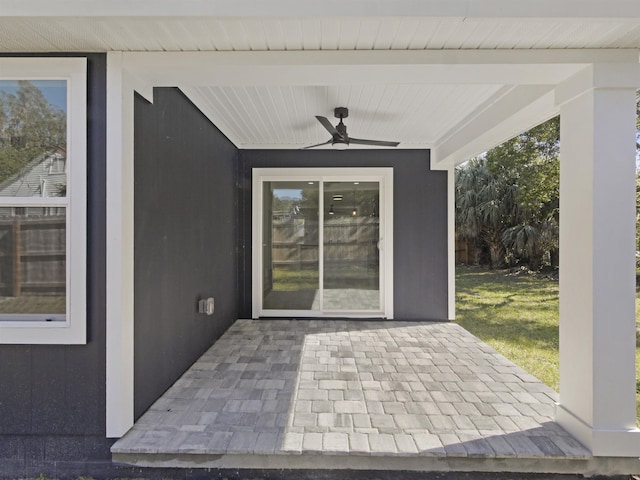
(43, 200)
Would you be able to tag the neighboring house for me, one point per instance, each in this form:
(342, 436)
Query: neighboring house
(44, 176)
(180, 110)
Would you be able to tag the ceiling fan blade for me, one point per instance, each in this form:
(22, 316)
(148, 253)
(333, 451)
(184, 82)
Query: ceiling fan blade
(317, 145)
(377, 143)
(327, 124)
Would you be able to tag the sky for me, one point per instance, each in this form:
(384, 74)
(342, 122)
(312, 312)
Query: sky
(55, 91)
(287, 193)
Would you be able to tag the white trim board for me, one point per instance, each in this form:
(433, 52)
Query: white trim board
(533, 9)
(72, 329)
(120, 245)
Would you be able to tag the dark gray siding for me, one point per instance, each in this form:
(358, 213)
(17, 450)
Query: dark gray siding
(420, 222)
(185, 239)
(52, 398)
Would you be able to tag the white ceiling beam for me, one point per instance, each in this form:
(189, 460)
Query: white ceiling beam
(547, 67)
(503, 117)
(598, 76)
(534, 9)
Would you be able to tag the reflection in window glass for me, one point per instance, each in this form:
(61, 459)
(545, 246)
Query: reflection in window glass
(32, 260)
(33, 138)
(351, 279)
(290, 275)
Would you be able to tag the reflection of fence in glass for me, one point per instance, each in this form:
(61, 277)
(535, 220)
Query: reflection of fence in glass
(33, 261)
(352, 241)
(294, 242)
(345, 241)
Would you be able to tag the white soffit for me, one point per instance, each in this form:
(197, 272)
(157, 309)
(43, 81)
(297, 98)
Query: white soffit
(457, 76)
(216, 33)
(283, 116)
(277, 8)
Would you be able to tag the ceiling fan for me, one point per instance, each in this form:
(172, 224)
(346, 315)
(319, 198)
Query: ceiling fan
(340, 140)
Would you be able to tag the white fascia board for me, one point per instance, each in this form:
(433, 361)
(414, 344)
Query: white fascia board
(533, 9)
(516, 110)
(492, 67)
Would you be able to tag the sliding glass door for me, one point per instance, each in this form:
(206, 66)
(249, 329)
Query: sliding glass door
(322, 243)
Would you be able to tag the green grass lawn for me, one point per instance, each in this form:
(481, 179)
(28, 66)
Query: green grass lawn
(517, 314)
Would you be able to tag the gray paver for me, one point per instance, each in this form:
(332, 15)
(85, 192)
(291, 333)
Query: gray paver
(312, 442)
(428, 443)
(291, 387)
(405, 443)
(335, 442)
(243, 442)
(219, 441)
(382, 443)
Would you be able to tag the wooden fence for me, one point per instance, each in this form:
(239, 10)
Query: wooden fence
(32, 256)
(466, 251)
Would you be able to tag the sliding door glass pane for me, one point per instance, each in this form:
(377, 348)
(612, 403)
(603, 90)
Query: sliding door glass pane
(351, 256)
(290, 276)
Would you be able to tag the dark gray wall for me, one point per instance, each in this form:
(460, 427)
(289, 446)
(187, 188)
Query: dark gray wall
(52, 398)
(420, 222)
(185, 239)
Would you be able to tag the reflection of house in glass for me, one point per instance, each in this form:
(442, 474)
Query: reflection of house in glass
(44, 176)
(33, 238)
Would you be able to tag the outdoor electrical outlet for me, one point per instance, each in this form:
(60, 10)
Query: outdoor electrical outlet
(206, 305)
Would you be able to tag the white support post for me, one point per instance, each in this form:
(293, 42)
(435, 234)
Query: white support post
(597, 260)
(119, 388)
(451, 241)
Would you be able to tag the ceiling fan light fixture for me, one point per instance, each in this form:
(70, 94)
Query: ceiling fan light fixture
(339, 145)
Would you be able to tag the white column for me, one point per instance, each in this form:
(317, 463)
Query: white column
(597, 260)
(451, 241)
(119, 387)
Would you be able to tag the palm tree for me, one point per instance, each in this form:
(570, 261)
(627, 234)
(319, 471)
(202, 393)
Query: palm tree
(485, 207)
(530, 161)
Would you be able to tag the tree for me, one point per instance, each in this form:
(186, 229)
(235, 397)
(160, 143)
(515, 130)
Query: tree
(531, 162)
(29, 127)
(508, 200)
(485, 205)
(637, 128)
(528, 167)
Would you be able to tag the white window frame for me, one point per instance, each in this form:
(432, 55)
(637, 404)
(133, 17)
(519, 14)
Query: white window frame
(382, 175)
(70, 328)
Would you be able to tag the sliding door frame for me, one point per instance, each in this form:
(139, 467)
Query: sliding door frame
(384, 176)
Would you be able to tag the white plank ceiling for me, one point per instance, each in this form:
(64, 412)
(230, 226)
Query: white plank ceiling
(259, 115)
(32, 34)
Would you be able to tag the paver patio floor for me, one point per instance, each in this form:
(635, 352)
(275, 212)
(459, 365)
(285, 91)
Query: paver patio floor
(367, 388)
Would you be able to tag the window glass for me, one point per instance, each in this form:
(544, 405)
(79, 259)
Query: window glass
(33, 138)
(33, 261)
